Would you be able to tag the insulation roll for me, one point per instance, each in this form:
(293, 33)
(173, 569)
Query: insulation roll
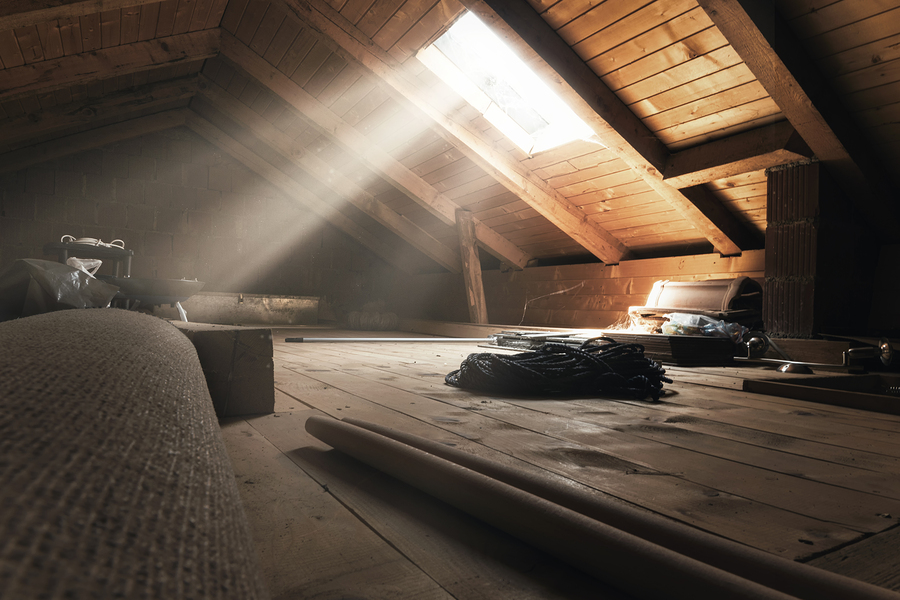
(622, 560)
(796, 579)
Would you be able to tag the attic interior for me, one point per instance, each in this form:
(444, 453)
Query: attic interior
(301, 150)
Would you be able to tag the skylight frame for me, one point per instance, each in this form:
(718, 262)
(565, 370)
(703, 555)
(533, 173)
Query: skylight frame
(509, 82)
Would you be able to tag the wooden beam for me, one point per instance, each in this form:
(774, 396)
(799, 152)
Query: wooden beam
(311, 164)
(375, 158)
(23, 13)
(20, 159)
(109, 62)
(291, 188)
(770, 146)
(707, 202)
(765, 43)
(356, 47)
(613, 122)
(471, 267)
(118, 106)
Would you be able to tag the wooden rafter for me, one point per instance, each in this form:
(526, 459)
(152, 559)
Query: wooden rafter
(356, 47)
(22, 13)
(618, 128)
(762, 148)
(375, 158)
(327, 176)
(154, 97)
(767, 46)
(39, 153)
(291, 188)
(54, 74)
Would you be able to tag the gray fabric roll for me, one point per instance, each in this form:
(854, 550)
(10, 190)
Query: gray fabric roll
(114, 480)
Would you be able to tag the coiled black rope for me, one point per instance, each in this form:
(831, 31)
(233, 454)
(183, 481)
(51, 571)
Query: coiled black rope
(611, 368)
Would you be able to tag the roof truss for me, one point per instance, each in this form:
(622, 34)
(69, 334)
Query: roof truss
(765, 43)
(357, 48)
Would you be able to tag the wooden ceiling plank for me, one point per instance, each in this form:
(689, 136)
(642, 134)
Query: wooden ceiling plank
(183, 15)
(166, 20)
(215, 14)
(358, 48)
(91, 32)
(199, 18)
(149, 21)
(773, 54)
(441, 13)
(705, 200)
(29, 42)
(610, 119)
(311, 63)
(253, 16)
(355, 142)
(574, 28)
(400, 23)
(691, 70)
(54, 74)
(354, 10)
(10, 55)
(655, 50)
(295, 54)
(644, 19)
(742, 116)
(110, 28)
(710, 105)
(282, 40)
(326, 175)
(131, 24)
(267, 29)
(70, 35)
(292, 188)
(22, 158)
(24, 13)
(771, 115)
(754, 150)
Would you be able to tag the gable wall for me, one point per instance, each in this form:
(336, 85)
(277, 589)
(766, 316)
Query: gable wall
(188, 211)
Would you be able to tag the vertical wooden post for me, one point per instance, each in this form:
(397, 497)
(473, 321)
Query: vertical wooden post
(471, 267)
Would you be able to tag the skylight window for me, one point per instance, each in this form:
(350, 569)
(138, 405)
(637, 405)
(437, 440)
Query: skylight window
(484, 71)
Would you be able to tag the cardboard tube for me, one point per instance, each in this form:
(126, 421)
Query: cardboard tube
(796, 579)
(622, 560)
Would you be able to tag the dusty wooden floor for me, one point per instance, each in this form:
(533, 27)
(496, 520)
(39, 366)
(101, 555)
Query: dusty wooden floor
(805, 481)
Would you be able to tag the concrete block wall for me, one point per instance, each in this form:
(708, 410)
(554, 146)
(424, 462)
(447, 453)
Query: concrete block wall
(188, 211)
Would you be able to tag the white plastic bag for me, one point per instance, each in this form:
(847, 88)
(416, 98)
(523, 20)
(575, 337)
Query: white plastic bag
(691, 324)
(88, 265)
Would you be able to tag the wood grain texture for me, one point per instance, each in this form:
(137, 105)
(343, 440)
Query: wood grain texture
(62, 72)
(354, 141)
(338, 184)
(24, 13)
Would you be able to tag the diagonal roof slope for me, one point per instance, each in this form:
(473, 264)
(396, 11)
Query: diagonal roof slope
(692, 99)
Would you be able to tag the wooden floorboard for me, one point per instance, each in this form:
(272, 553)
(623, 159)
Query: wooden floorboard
(806, 481)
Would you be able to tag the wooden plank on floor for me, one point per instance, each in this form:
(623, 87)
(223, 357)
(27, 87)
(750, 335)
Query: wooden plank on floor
(309, 544)
(791, 456)
(874, 560)
(738, 518)
(460, 554)
(805, 420)
(672, 414)
(701, 459)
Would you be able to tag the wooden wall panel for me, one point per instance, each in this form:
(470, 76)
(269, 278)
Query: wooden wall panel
(599, 295)
(856, 45)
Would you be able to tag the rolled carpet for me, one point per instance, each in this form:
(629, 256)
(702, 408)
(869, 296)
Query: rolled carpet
(114, 480)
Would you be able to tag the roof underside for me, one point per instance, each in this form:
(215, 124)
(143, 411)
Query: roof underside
(328, 102)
